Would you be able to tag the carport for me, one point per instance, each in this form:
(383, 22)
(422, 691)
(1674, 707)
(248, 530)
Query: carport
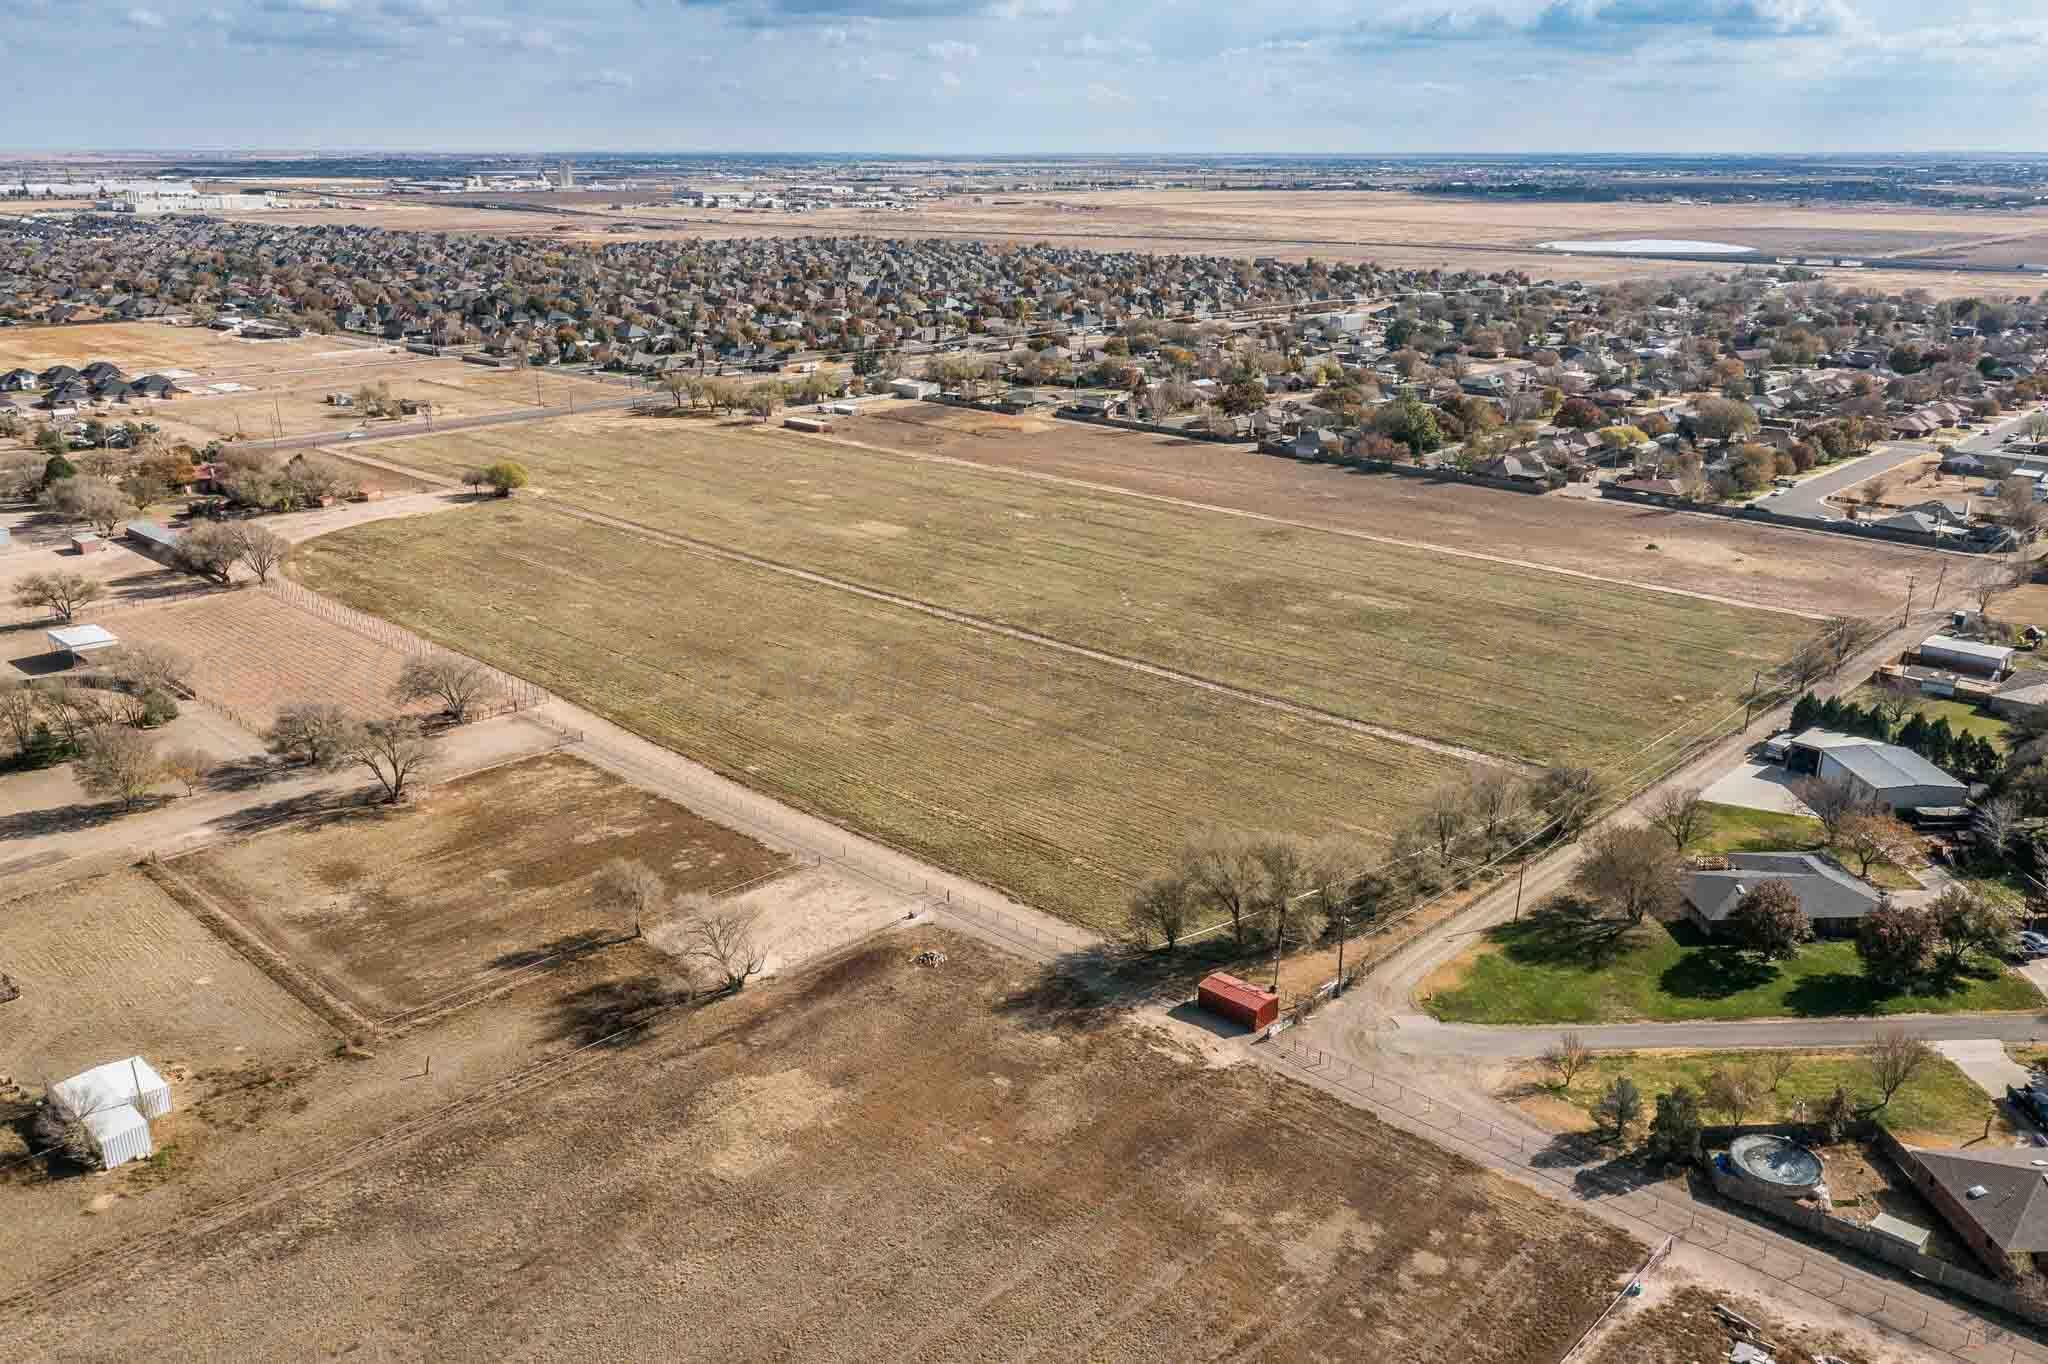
(79, 641)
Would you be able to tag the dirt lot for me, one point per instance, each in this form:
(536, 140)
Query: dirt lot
(144, 347)
(876, 1158)
(1340, 623)
(487, 873)
(254, 654)
(294, 404)
(111, 967)
(1788, 569)
(1675, 1323)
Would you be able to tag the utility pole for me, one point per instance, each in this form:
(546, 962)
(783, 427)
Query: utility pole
(1941, 579)
(1907, 619)
(1521, 873)
(1756, 685)
(1279, 940)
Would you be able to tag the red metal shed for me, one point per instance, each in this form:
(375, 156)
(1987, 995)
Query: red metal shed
(1228, 997)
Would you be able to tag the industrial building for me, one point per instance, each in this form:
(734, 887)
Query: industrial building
(1896, 777)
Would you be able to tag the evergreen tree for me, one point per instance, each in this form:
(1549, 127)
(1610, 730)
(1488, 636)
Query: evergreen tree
(1805, 713)
(1913, 734)
(1941, 743)
(1831, 713)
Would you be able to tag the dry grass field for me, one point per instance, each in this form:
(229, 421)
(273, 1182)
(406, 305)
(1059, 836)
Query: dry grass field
(1792, 570)
(870, 1159)
(1058, 777)
(143, 347)
(1511, 661)
(110, 967)
(293, 404)
(479, 875)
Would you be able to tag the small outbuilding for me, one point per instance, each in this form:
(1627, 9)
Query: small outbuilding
(1239, 1001)
(1966, 656)
(79, 641)
(115, 1102)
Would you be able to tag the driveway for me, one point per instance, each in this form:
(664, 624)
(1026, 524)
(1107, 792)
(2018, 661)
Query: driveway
(1810, 497)
(1985, 1062)
(1758, 785)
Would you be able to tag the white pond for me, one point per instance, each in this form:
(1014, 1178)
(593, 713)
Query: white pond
(1638, 246)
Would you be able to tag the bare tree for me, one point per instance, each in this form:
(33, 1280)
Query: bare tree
(393, 750)
(1160, 908)
(117, 761)
(62, 594)
(1223, 869)
(1893, 1058)
(1806, 665)
(314, 733)
(149, 667)
(1445, 818)
(1682, 814)
(1773, 1068)
(211, 551)
(457, 683)
(630, 890)
(187, 766)
(1566, 1057)
(1894, 698)
(21, 713)
(723, 940)
(1495, 798)
(1731, 1092)
(1631, 868)
(94, 501)
(262, 550)
(1832, 802)
(1995, 824)
(1874, 836)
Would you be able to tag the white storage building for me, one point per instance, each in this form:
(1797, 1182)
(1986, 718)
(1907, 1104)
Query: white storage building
(116, 1102)
(1966, 656)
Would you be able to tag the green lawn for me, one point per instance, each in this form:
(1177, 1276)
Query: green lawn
(1736, 829)
(1939, 1100)
(1558, 966)
(1962, 717)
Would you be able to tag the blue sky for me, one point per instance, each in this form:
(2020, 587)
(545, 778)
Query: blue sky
(1303, 76)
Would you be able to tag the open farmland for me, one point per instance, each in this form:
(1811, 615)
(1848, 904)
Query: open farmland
(110, 966)
(1793, 570)
(482, 874)
(873, 1159)
(1056, 776)
(1536, 666)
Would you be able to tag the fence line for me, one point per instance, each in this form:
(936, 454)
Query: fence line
(1682, 1218)
(515, 693)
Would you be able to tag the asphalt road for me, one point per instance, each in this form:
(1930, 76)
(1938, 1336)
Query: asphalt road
(523, 414)
(1422, 1035)
(1810, 497)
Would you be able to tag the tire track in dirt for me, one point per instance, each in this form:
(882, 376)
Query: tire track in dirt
(712, 550)
(1089, 485)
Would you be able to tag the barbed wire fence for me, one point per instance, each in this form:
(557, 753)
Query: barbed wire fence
(1900, 1310)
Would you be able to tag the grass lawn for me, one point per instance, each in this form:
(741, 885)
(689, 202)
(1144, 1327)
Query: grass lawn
(1509, 660)
(1938, 1102)
(1962, 717)
(1560, 967)
(1737, 829)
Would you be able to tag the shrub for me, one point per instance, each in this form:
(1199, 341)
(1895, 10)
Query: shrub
(504, 476)
(158, 708)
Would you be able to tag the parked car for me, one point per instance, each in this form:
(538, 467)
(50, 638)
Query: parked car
(2031, 1101)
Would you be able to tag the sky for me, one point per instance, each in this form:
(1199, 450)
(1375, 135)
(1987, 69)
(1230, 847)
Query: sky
(987, 76)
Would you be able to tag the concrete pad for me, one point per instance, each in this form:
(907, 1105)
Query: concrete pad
(1758, 785)
(1986, 1063)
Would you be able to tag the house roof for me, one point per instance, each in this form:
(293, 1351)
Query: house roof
(1825, 891)
(2013, 1209)
(2029, 688)
(1888, 767)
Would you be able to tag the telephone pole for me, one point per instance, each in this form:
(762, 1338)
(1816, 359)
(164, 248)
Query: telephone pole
(1907, 618)
(1521, 873)
(1756, 685)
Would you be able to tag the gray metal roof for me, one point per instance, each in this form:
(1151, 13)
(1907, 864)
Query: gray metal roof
(1824, 889)
(1966, 648)
(1886, 767)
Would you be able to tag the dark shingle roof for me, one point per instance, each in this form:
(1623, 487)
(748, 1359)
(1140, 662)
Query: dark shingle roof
(1825, 891)
(2013, 1210)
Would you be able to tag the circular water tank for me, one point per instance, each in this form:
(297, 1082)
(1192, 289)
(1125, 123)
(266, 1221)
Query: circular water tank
(1777, 1162)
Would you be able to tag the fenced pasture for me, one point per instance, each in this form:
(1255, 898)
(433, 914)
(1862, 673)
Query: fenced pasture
(1497, 657)
(1056, 777)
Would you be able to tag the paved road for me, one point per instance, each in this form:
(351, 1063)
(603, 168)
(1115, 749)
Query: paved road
(1420, 1035)
(420, 428)
(1810, 497)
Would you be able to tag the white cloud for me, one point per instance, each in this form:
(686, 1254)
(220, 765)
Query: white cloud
(1090, 45)
(949, 80)
(1023, 9)
(951, 50)
(145, 18)
(1098, 93)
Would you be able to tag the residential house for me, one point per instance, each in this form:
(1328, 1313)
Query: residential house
(1832, 900)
